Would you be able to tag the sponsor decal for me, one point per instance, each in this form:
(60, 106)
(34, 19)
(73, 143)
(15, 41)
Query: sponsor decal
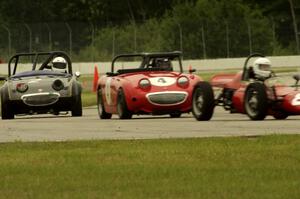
(162, 81)
(296, 100)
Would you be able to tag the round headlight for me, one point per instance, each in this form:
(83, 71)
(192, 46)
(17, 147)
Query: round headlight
(144, 83)
(22, 87)
(58, 85)
(183, 81)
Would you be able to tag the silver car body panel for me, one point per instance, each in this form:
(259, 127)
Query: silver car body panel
(38, 85)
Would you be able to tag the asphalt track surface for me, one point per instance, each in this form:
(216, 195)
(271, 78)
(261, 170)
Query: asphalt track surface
(90, 127)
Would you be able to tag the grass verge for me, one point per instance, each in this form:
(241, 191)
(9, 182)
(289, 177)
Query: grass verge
(241, 167)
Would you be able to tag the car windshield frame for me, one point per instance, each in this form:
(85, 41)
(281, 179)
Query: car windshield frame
(14, 61)
(146, 57)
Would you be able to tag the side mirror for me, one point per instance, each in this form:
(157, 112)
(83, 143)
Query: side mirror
(110, 74)
(296, 77)
(191, 70)
(77, 74)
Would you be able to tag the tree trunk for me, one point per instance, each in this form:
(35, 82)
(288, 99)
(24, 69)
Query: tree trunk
(295, 25)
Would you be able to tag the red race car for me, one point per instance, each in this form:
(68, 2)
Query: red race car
(257, 91)
(156, 85)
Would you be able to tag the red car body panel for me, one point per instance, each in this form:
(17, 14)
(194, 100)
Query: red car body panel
(227, 80)
(136, 97)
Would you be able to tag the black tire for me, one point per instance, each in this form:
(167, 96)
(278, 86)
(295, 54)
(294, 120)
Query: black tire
(100, 106)
(123, 111)
(203, 103)
(279, 115)
(175, 115)
(76, 109)
(256, 101)
(7, 112)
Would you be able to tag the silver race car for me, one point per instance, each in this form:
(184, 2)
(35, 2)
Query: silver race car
(46, 85)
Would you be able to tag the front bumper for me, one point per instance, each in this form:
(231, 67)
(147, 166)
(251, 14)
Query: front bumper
(167, 98)
(62, 104)
(40, 99)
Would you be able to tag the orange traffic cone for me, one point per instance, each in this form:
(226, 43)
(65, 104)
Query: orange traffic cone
(96, 77)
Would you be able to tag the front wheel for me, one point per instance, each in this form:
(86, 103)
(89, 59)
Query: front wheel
(203, 103)
(256, 101)
(77, 107)
(123, 111)
(100, 104)
(6, 109)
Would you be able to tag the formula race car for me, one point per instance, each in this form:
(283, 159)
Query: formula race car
(46, 85)
(156, 85)
(248, 93)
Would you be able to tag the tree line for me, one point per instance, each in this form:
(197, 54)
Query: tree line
(200, 28)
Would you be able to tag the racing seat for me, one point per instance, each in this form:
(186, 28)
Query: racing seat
(250, 73)
(164, 64)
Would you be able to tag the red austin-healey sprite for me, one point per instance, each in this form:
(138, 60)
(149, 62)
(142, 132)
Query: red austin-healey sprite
(245, 92)
(154, 83)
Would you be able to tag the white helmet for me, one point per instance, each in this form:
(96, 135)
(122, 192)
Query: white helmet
(59, 63)
(262, 68)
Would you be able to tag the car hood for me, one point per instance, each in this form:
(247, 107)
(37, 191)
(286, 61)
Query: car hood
(285, 90)
(39, 84)
(149, 75)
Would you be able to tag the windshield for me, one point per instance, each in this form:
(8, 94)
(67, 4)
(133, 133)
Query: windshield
(41, 61)
(163, 63)
(281, 80)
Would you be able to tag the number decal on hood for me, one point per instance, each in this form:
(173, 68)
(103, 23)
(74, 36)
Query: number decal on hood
(162, 81)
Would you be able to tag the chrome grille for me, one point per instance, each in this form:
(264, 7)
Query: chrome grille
(167, 98)
(40, 99)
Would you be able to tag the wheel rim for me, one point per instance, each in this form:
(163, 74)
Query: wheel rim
(252, 102)
(198, 102)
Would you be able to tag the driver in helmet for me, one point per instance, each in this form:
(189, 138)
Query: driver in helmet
(164, 64)
(59, 64)
(262, 68)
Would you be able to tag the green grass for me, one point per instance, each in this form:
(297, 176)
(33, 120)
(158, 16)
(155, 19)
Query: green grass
(89, 98)
(242, 167)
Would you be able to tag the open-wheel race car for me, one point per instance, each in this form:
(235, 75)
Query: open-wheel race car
(156, 86)
(45, 85)
(257, 91)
